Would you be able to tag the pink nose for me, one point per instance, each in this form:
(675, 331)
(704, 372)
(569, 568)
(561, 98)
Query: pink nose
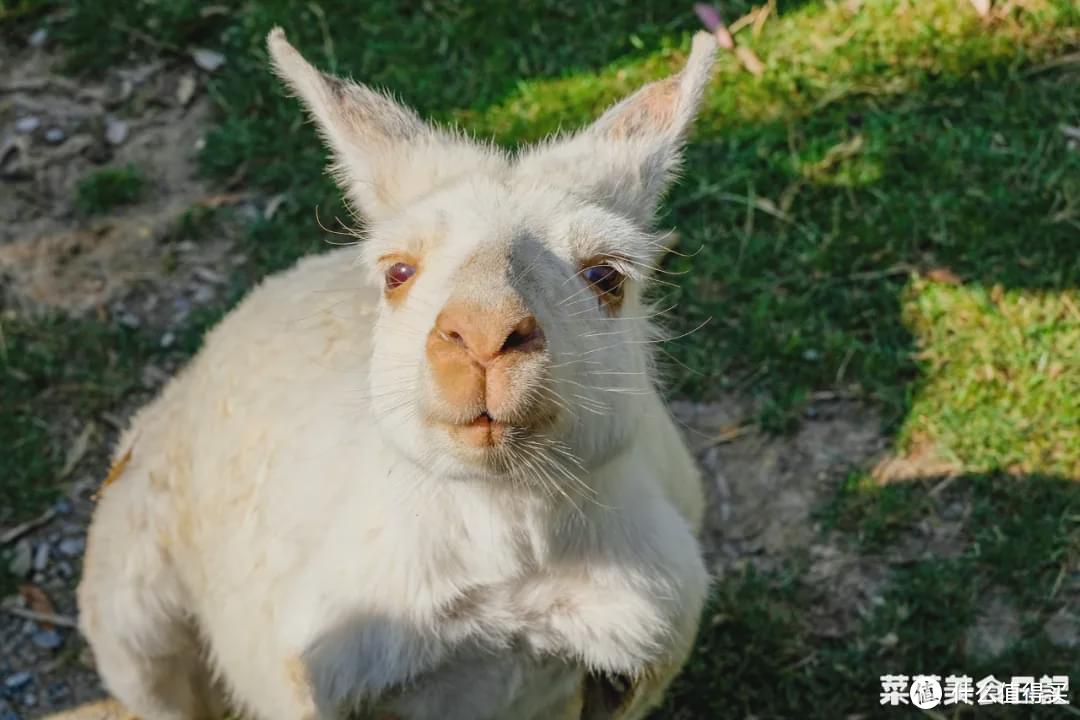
(486, 333)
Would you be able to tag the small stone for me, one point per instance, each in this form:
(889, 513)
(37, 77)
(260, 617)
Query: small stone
(55, 136)
(38, 38)
(17, 681)
(203, 294)
(41, 556)
(57, 693)
(64, 569)
(168, 339)
(185, 89)
(208, 60)
(129, 320)
(62, 506)
(47, 639)
(72, 547)
(28, 124)
(29, 699)
(22, 559)
(116, 131)
(209, 275)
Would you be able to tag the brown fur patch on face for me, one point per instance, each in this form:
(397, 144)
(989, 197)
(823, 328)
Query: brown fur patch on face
(461, 382)
(396, 296)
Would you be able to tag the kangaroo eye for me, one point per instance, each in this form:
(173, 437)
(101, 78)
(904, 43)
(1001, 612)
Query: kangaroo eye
(605, 279)
(398, 274)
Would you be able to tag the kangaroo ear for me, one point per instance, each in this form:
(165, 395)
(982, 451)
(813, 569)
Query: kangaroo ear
(385, 156)
(628, 157)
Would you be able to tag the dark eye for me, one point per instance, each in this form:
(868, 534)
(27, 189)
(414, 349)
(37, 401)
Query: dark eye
(398, 274)
(606, 279)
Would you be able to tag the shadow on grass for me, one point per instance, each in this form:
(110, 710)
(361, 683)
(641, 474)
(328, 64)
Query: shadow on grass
(760, 655)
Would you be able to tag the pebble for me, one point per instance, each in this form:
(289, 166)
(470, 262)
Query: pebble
(55, 135)
(203, 294)
(47, 639)
(22, 559)
(72, 547)
(41, 556)
(29, 699)
(168, 339)
(17, 681)
(64, 569)
(38, 38)
(185, 89)
(208, 60)
(62, 506)
(28, 124)
(116, 131)
(57, 693)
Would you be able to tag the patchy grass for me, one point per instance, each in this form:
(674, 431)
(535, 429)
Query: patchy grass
(56, 373)
(1001, 377)
(891, 211)
(759, 656)
(108, 189)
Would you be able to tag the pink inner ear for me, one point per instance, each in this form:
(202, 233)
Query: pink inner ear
(651, 110)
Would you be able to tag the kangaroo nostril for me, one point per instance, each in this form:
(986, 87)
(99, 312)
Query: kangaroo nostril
(526, 335)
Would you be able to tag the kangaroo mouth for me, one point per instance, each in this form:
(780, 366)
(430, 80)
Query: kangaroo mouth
(483, 431)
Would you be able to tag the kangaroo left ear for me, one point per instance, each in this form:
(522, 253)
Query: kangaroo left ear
(385, 155)
(629, 156)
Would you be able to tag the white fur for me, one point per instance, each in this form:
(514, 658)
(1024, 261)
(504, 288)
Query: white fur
(291, 534)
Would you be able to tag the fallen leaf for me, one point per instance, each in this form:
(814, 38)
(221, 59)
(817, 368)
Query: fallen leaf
(14, 533)
(762, 16)
(997, 293)
(710, 18)
(750, 61)
(77, 450)
(732, 431)
(944, 275)
(215, 201)
(37, 601)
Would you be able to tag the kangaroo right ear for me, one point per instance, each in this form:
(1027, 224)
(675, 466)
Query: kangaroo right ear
(385, 155)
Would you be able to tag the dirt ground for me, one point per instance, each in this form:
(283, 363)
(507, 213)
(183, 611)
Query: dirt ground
(128, 267)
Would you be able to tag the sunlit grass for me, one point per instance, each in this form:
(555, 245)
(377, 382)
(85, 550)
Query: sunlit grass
(1000, 386)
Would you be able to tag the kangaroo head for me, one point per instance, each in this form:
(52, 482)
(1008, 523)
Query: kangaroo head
(512, 336)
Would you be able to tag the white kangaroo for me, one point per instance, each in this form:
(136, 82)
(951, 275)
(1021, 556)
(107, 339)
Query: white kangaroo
(428, 476)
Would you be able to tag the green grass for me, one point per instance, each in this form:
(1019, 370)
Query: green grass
(108, 189)
(758, 654)
(55, 372)
(891, 212)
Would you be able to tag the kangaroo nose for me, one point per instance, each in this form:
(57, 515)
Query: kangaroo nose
(486, 333)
